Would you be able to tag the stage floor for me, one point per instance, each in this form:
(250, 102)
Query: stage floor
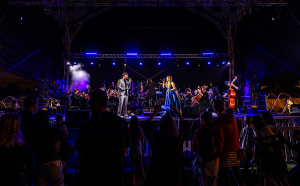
(238, 116)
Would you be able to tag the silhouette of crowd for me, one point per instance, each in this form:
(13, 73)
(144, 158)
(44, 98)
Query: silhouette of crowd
(34, 153)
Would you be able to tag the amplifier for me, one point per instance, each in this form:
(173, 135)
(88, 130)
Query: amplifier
(190, 111)
(295, 110)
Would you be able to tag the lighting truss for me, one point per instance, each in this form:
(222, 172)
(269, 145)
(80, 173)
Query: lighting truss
(148, 56)
(150, 2)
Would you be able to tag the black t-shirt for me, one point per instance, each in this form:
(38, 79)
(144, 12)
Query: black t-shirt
(102, 141)
(27, 126)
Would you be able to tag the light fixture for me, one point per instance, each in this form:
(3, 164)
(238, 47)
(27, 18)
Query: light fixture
(165, 54)
(187, 63)
(124, 64)
(228, 63)
(68, 63)
(131, 54)
(92, 63)
(158, 63)
(208, 53)
(223, 63)
(114, 63)
(74, 63)
(141, 63)
(208, 63)
(91, 53)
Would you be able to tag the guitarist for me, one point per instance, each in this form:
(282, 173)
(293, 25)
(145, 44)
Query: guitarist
(230, 85)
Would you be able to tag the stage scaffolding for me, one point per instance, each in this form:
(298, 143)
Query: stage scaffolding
(149, 56)
(71, 21)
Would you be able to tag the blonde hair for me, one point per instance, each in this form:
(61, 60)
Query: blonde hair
(10, 131)
(169, 78)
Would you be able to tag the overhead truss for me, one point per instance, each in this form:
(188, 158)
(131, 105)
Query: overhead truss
(150, 3)
(148, 56)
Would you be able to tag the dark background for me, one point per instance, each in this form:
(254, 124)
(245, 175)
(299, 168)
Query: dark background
(155, 30)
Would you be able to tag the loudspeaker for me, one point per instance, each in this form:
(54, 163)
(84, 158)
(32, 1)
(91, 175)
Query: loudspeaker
(229, 110)
(209, 110)
(138, 112)
(244, 109)
(190, 111)
(77, 115)
(295, 110)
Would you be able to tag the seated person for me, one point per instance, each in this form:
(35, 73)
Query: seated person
(188, 96)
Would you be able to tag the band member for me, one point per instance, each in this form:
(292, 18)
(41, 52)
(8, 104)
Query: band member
(197, 97)
(123, 92)
(236, 88)
(88, 88)
(171, 97)
(204, 102)
(112, 86)
(188, 96)
(150, 87)
(75, 97)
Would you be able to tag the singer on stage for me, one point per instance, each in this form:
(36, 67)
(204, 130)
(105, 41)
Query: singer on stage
(123, 91)
(171, 97)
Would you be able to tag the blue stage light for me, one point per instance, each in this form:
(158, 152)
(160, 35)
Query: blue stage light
(208, 63)
(158, 63)
(141, 63)
(165, 54)
(92, 63)
(74, 63)
(113, 63)
(187, 63)
(208, 53)
(223, 63)
(131, 54)
(91, 53)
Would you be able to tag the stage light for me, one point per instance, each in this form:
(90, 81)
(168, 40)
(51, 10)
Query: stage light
(228, 63)
(68, 63)
(91, 53)
(74, 63)
(208, 63)
(141, 63)
(209, 53)
(198, 65)
(223, 63)
(21, 18)
(178, 65)
(83, 65)
(131, 54)
(187, 63)
(99, 65)
(158, 63)
(124, 64)
(273, 18)
(165, 54)
(114, 63)
(92, 63)
(217, 65)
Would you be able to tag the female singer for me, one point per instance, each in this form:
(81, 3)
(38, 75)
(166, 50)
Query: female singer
(171, 97)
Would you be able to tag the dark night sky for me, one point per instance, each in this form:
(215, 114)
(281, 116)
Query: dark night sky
(156, 30)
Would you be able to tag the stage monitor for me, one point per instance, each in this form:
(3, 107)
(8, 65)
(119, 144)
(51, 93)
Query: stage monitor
(190, 111)
(295, 110)
(77, 115)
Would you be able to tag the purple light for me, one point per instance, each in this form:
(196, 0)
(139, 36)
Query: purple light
(209, 53)
(165, 54)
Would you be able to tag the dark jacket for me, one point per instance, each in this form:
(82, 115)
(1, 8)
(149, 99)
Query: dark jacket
(102, 141)
(27, 126)
(165, 166)
(50, 144)
(12, 161)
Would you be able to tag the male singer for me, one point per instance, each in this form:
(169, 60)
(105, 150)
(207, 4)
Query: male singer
(123, 89)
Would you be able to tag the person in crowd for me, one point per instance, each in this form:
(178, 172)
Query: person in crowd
(62, 127)
(100, 144)
(16, 159)
(270, 161)
(294, 173)
(51, 150)
(204, 144)
(166, 166)
(14, 106)
(227, 136)
(137, 140)
(247, 142)
(27, 120)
